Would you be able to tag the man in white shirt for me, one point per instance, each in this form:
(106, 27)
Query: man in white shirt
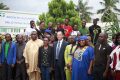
(30, 29)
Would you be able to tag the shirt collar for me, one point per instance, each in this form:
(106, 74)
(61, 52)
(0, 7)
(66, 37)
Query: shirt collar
(61, 41)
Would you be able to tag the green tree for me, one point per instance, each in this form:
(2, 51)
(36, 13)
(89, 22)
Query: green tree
(109, 15)
(113, 26)
(109, 10)
(3, 6)
(59, 10)
(84, 10)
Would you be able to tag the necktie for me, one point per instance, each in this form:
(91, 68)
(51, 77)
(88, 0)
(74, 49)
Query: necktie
(57, 49)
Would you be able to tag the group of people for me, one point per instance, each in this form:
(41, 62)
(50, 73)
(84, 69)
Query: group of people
(61, 53)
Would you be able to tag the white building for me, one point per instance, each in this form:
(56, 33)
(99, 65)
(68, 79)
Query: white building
(14, 21)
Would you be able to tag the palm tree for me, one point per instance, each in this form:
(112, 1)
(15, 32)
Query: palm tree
(109, 10)
(3, 7)
(83, 10)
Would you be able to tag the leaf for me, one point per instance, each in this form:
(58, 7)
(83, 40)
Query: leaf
(59, 10)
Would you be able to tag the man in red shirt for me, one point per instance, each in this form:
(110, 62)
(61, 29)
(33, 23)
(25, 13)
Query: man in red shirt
(67, 28)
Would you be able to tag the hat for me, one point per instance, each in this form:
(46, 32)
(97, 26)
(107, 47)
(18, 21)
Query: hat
(83, 38)
(48, 31)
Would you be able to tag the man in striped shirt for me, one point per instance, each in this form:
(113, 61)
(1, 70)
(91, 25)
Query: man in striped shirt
(115, 57)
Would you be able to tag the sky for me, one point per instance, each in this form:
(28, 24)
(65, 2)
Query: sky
(40, 6)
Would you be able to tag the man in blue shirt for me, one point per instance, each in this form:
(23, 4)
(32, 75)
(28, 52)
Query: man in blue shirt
(8, 57)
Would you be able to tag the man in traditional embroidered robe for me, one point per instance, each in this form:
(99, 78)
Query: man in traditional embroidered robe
(31, 56)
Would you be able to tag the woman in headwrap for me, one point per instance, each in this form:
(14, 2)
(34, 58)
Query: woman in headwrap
(82, 60)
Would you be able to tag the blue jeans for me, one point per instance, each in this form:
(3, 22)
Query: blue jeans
(45, 73)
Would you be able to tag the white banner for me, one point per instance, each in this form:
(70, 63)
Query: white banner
(16, 19)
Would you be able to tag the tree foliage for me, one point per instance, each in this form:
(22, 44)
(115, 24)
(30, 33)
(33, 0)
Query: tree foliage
(109, 10)
(109, 15)
(84, 10)
(59, 10)
(113, 26)
(3, 6)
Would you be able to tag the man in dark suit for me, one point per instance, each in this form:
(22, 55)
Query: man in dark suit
(59, 63)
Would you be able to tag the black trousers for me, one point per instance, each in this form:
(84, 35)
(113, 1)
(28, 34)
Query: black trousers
(1, 73)
(21, 73)
(52, 75)
(98, 73)
(7, 72)
(59, 72)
